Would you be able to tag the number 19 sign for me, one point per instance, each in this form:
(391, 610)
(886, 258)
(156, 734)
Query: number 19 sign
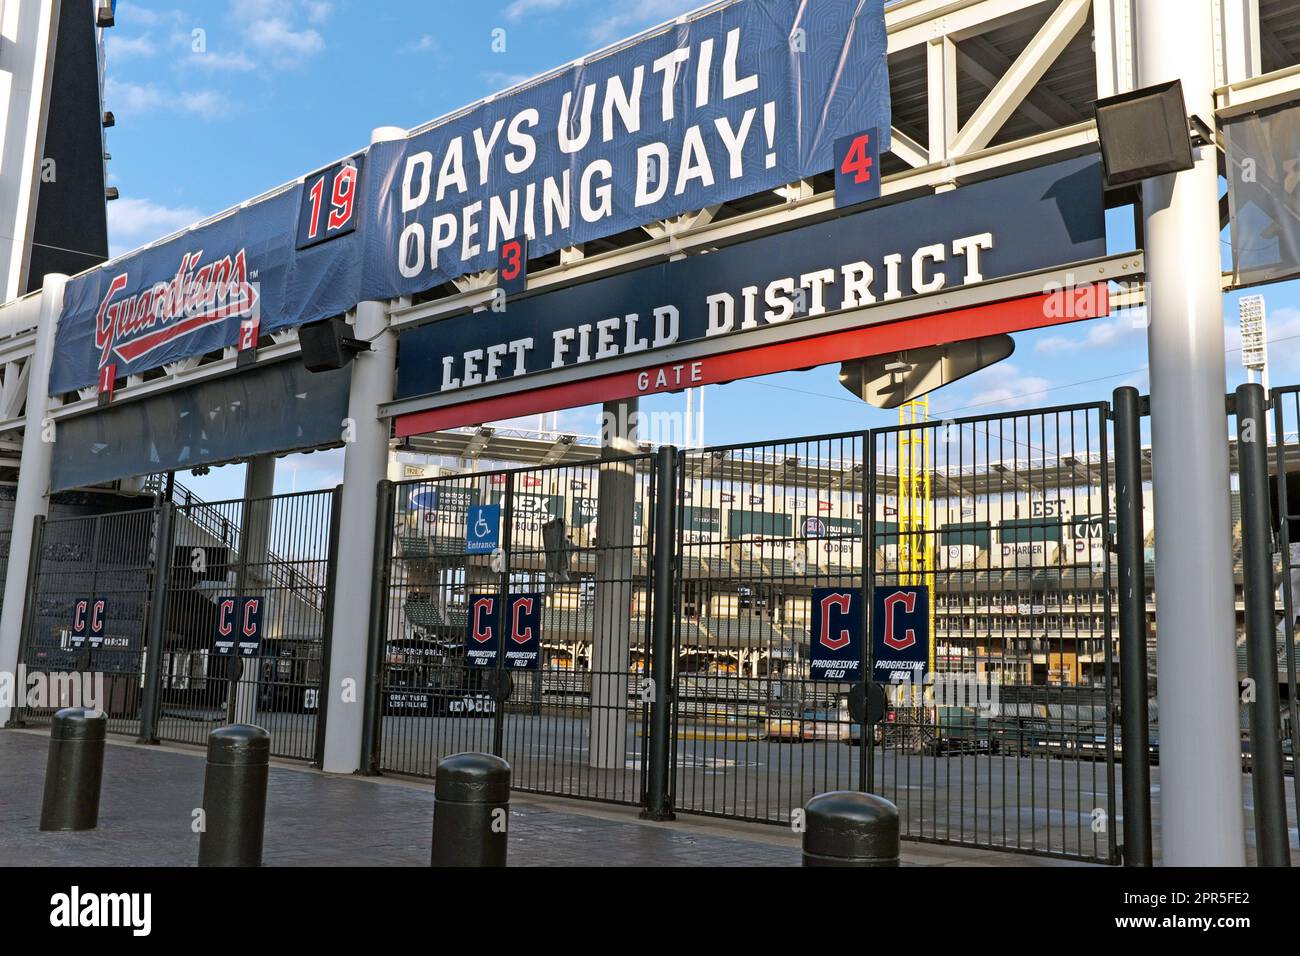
(329, 203)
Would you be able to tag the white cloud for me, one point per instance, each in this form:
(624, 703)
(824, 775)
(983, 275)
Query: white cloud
(497, 80)
(215, 62)
(1097, 333)
(140, 99)
(522, 8)
(1012, 386)
(276, 35)
(133, 222)
(626, 17)
(425, 44)
(130, 48)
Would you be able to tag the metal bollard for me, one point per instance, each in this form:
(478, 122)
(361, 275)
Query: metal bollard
(471, 808)
(74, 770)
(848, 828)
(234, 796)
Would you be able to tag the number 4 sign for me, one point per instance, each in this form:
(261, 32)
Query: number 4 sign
(857, 169)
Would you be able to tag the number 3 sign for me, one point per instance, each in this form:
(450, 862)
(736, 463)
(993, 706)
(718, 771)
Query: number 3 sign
(857, 169)
(512, 266)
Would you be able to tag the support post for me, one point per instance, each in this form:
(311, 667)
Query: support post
(1202, 819)
(234, 796)
(254, 551)
(74, 770)
(365, 465)
(154, 638)
(1272, 843)
(376, 633)
(662, 659)
(1134, 717)
(31, 497)
(611, 631)
(471, 811)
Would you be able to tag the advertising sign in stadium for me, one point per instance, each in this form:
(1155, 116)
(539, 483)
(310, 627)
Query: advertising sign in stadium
(650, 318)
(737, 100)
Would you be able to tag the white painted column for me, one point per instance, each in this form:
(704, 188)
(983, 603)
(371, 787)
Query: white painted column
(32, 496)
(365, 464)
(612, 615)
(1202, 820)
(259, 486)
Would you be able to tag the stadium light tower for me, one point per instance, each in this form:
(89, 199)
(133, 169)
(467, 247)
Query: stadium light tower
(1254, 343)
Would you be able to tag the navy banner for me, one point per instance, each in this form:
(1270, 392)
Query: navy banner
(189, 295)
(737, 101)
(900, 633)
(835, 646)
(1031, 220)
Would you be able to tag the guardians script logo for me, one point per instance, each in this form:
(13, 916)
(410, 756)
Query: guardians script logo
(133, 326)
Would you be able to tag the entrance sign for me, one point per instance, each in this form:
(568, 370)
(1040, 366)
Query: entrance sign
(89, 616)
(835, 651)
(482, 529)
(876, 257)
(239, 625)
(733, 101)
(900, 633)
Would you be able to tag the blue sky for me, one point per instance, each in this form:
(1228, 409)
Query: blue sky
(218, 102)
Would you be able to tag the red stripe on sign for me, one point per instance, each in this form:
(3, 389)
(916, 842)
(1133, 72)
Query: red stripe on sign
(1014, 315)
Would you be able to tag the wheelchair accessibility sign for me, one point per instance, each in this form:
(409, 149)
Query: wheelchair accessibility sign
(482, 529)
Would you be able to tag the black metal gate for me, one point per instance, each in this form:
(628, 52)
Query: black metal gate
(126, 610)
(1004, 521)
(1007, 521)
(84, 637)
(576, 724)
(1286, 456)
(278, 552)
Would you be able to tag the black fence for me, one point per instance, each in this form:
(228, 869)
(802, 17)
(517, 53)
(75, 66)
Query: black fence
(84, 639)
(569, 604)
(1003, 737)
(761, 526)
(1006, 522)
(232, 563)
(1286, 522)
(144, 612)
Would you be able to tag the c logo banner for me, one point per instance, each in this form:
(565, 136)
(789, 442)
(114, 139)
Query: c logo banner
(908, 601)
(839, 602)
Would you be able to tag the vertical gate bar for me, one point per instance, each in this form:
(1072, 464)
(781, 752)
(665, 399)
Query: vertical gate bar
(29, 614)
(1288, 598)
(373, 701)
(677, 490)
(154, 637)
(659, 800)
(498, 692)
(1108, 610)
(1271, 838)
(85, 658)
(868, 776)
(323, 680)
